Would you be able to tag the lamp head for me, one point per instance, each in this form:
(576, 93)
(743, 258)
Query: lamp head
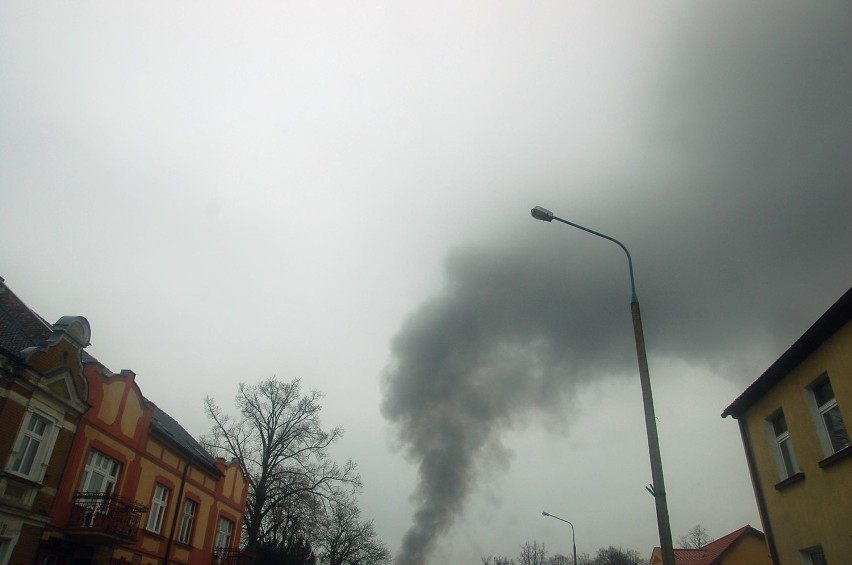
(542, 214)
(545, 514)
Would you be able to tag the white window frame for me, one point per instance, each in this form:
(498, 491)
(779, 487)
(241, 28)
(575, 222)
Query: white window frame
(187, 520)
(779, 440)
(24, 439)
(99, 463)
(224, 533)
(159, 503)
(819, 413)
(107, 468)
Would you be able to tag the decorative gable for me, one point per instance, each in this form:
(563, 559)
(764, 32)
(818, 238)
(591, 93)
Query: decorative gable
(59, 361)
(62, 385)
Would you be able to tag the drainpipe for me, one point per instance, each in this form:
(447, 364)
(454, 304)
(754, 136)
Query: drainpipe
(177, 513)
(758, 492)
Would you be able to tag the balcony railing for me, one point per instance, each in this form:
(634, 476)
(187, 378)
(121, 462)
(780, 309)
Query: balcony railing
(230, 556)
(102, 513)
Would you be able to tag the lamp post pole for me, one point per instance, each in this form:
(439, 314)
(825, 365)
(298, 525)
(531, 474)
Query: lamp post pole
(573, 539)
(657, 488)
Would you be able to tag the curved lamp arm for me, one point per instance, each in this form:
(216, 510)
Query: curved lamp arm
(546, 215)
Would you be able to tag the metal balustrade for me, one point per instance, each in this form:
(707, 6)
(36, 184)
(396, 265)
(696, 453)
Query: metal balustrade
(106, 513)
(230, 556)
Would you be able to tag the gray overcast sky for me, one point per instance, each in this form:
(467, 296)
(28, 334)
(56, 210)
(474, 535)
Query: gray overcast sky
(340, 191)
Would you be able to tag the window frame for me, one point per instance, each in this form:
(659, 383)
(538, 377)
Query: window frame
(46, 442)
(187, 521)
(782, 444)
(819, 412)
(91, 467)
(94, 507)
(159, 506)
(9, 541)
(808, 555)
(219, 532)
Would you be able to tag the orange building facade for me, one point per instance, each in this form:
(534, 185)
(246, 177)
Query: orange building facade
(112, 478)
(139, 489)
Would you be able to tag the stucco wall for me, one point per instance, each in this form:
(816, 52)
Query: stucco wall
(816, 510)
(749, 550)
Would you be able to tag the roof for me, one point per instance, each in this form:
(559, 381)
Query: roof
(689, 556)
(21, 328)
(170, 429)
(826, 326)
(711, 553)
(715, 549)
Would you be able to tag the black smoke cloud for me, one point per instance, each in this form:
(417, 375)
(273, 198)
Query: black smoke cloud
(499, 346)
(739, 228)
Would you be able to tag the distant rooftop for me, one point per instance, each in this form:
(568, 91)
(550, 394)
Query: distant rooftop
(711, 553)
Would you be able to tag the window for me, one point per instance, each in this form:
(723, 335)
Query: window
(100, 474)
(158, 508)
(830, 426)
(784, 455)
(33, 446)
(7, 544)
(223, 533)
(190, 508)
(99, 478)
(814, 556)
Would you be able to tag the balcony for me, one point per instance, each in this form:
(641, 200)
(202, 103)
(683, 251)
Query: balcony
(230, 556)
(102, 517)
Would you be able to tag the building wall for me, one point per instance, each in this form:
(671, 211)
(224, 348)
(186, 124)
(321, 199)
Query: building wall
(48, 380)
(816, 510)
(119, 425)
(749, 550)
(76, 405)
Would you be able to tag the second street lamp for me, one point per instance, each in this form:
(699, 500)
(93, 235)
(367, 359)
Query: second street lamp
(573, 538)
(658, 488)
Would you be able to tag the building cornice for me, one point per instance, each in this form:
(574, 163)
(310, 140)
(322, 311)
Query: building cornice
(826, 326)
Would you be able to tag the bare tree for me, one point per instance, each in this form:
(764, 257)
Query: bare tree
(344, 539)
(278, 438)
(696, 538)
(533, 554)
(616, 556)
(560, 559)
(491, 560)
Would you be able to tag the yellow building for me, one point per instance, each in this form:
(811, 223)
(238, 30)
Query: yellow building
(794, 425)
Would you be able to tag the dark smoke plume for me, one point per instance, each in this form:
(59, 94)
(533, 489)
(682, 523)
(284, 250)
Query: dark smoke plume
(502, 343)
(741, 240)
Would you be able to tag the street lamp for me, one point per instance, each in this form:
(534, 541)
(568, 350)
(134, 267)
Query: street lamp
(573, 539)
(658, 488)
